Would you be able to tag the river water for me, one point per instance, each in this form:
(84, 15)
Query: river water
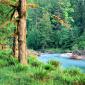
(64, 60)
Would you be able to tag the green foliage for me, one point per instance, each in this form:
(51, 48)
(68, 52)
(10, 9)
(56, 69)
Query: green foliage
(74, 76)
(3, 63)
(19, 68)
(56, 64)
(6, 59)
(34, 39)
(44, 31)
(48, 67)
(36, 73)
(44, 74)
(73, 71)
(34, 62)
(81, 42)
(41, 74)
(12, 61)
(39, 35)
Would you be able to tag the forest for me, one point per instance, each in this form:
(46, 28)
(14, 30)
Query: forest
(42, 42)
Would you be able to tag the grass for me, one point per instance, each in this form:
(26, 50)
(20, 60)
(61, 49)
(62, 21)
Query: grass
(37, 73)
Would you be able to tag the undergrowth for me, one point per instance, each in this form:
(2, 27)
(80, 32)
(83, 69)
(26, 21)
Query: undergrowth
(37, 73)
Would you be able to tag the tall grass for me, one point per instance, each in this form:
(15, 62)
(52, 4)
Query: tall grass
(37, 73)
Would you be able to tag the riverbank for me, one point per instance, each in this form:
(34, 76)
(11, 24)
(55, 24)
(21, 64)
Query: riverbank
(79, 54)
(56, 50)
(38, 73)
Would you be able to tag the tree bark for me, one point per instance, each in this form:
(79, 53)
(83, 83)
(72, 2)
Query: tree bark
(15, 44)
(22, 32)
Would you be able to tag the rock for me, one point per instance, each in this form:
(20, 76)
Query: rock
(33, 53)
(77, 57)
(79, 54)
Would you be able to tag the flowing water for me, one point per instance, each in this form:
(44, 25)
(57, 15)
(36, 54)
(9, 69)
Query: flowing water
(64, 60)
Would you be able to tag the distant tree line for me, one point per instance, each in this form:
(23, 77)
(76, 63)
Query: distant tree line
(56, 24)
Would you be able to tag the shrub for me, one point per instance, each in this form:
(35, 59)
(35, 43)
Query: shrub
(3, 63)
(73, 71)
(81, 42)
(74, 76)
(34, 39)
(7, 59)
(34, 62)
(48, 67)
(41, 74)
(54, 63)
(31, 59)
(12, 61)
(5, 54)
(75, 47)
(19, 68)
(81, 45)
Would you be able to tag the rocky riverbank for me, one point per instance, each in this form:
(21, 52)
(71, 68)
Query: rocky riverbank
(33, 53)
(79, 54)
(73, 56)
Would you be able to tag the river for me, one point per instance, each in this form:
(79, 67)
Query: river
(64, 60)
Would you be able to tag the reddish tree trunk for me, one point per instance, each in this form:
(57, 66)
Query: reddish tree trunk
(22, 32)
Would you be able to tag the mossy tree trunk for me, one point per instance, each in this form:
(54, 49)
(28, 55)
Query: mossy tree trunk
(15, 44)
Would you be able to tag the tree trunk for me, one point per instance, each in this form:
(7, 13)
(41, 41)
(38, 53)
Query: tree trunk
(15, 44)
(22, 32)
